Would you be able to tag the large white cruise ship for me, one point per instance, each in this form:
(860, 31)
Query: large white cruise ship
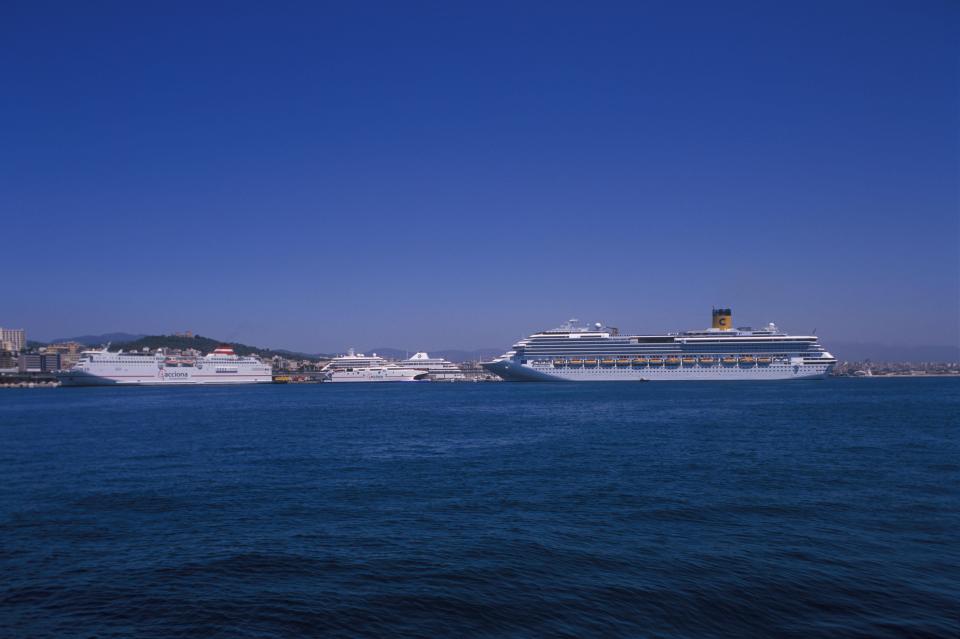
(222, 366)
(575, 353)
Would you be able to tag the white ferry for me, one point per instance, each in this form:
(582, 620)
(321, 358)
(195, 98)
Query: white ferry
(357, 367)
(377, 374)
(438, 369)
(222, 366)
(575, 353)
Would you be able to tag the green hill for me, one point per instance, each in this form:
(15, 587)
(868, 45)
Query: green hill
(207, 345)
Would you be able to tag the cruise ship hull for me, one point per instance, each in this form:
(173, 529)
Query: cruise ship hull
(513, 371)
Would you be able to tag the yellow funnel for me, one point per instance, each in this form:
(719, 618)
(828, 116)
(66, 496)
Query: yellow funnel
(722, 319)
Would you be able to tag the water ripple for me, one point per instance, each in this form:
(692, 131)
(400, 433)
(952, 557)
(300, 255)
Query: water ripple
(506, 510)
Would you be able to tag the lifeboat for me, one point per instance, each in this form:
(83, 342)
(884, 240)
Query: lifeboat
(673, 361)
(608, 362)
(178, 361)
(707, 361)
(559, 362)
(765, 361)
(623, 361)
(747, 360)
(689, 361)
(590, 362)
(729, 360)
(655, 361)
(639, 361)
(575, 362)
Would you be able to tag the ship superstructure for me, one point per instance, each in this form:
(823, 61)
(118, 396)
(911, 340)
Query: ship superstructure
(353, 360)
(102, 367)
(438, 369)
(576, 353)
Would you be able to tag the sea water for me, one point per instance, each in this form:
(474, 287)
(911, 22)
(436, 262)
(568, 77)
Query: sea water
(718, 509)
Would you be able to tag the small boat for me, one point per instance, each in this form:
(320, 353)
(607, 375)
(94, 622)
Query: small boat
(639, 361)
(673, 361)
(608, 362)
(559, 362)
(764, 360)
(689, 361)
(655, 361)
(590, 362)
(729, 360)
(707, 361)
(575, 362)
(747, 360)
(623, 361)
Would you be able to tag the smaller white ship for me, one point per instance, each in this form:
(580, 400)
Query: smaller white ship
(438, 369)
(353, 360)
(357, 367)
(377, 374)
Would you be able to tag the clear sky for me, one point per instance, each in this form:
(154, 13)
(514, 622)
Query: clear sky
(444, 175)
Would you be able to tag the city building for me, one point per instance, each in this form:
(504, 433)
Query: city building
(69, 352)
(8, 361)
(38, 362)
(13, 339)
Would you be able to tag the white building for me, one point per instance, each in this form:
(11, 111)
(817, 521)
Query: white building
(13, 339)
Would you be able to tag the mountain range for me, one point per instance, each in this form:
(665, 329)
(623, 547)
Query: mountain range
(98, 340)
(133, 342)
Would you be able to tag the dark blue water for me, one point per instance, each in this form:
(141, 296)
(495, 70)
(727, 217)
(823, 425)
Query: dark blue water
(792, 509)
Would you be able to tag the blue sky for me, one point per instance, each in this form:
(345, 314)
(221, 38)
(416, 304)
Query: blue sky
(438, 175)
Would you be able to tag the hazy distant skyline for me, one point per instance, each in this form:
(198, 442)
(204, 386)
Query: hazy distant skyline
(427, 176)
